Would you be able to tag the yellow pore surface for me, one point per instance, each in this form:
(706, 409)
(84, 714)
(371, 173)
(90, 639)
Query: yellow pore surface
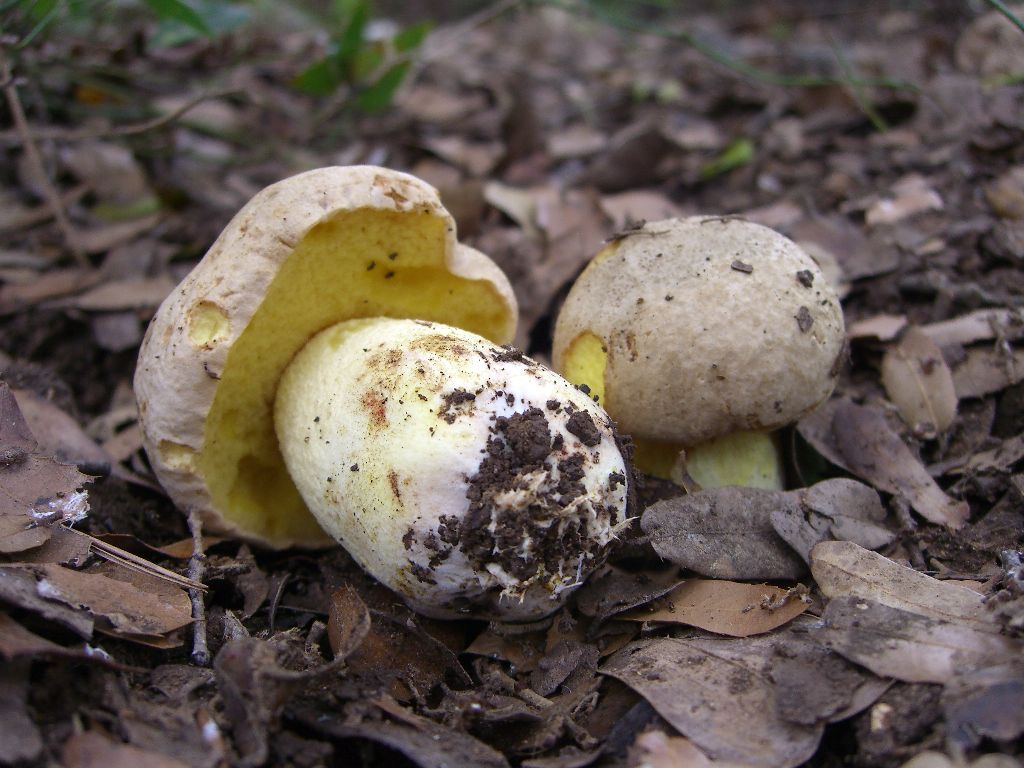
(741, 458)
(363, 263)
(584, 362)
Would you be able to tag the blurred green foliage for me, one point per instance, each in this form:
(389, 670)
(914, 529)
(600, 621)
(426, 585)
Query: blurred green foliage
(366, 59)
(372, 64)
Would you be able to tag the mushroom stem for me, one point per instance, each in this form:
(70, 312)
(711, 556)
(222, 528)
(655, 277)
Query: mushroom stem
(750, 459)
(461, 474)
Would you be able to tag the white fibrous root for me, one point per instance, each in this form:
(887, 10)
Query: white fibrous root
(463, 475)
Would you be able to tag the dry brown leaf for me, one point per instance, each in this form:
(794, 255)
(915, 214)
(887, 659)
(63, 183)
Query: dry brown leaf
(982, 325)
(518, 204)
(117, 295)
(522, 650)
(985, 371)
(59, 435)
(656, 749)
(932, 759)
(839, 508)
(16, 641)
(102, 239)
(998, 460)
(348, 621)
(983, 705)
(117, 331)
(34, 489)
(626, 208)
(911, 195)
(723, 607)
(20, 739)
(724, 533)
(110, 170)
(1006, 194)
(121, 607)
(881, 327)
(919, 383)
(705, 691)
(423, 742)
(91, 750)
(578, 140)
(859, 440)
(126, 442)
(909, 646)
(477, 158)
(441, 106)
(780, 215)
(840, 237)
(614, 590)
(841, 569)
(49, 285)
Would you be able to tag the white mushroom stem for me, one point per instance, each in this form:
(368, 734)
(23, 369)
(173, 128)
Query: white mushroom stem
(462, 475)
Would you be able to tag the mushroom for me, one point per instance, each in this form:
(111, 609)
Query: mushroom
(700, 336)
(331, 368)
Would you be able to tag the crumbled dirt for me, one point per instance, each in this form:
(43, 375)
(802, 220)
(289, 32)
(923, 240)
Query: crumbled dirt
(452, 402)
(582, 425)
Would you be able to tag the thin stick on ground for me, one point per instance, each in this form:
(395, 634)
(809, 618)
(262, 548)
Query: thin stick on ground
(35, 160)
(196, 566)
(133, 129)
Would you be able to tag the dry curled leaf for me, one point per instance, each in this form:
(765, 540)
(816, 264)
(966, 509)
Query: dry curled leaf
(724, 533)
(91, 750)
(981, 325)
(897, 643)
(841, 568)
(704, 689)
(881, 327)
(348, 621)
(986, 370)
(859, 439)
(723, 607)
(919, 383)
(840, 508)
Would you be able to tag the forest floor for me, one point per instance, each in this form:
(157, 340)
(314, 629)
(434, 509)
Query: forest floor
(875, 620)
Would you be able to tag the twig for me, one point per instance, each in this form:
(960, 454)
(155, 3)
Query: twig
(35, 160)
(196, 565)
(135, 563)
(1005, 10)
(133, 129)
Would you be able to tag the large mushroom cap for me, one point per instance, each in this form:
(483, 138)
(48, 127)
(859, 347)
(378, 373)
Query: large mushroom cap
(318, 248)
(691, 329)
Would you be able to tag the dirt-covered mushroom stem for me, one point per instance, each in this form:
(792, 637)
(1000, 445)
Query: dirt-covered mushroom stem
(465, 476)
(703, 335)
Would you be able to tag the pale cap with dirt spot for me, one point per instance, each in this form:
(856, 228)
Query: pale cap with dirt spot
(690, 329)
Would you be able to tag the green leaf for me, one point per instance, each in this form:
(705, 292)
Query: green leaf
(350, 42)
(320, 78)
(181, 12)
(366, 62)
(740, 152)
(380, 95)
(411, 37)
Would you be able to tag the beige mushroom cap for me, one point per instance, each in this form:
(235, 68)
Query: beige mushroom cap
(315, 249)
(709, 325)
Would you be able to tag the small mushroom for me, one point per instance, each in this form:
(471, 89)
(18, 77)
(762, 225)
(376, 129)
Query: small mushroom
(393, 428)
(703, 335)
